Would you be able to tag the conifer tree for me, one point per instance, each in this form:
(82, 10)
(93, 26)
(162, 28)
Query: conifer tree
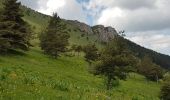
(113, 62)
(91, 53)
(149, 69)
(15, 33)
(54, 40)
(165, 89)
(78, 49)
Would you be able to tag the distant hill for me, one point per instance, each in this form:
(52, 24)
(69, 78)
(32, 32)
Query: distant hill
(104, 34)
(160, 59)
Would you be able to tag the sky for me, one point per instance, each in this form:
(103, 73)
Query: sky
(146, 22)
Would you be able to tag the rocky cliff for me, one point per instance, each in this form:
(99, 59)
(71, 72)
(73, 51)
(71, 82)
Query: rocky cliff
(82, 26)
(104, 34)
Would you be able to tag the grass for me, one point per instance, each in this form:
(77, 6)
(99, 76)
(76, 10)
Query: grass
(35, 76)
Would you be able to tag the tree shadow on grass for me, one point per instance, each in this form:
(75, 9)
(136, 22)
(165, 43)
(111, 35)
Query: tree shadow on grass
(13, 52)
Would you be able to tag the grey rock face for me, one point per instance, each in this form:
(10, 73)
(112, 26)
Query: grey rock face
(83, 27)
(104, 34)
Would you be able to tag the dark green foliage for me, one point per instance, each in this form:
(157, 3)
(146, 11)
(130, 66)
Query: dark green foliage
(113, 61)
(54, 40)
(165, 90)
(150, 70)
(73, 47)
(91, 52)
(158, 58)
(77, 48)
(14, 32)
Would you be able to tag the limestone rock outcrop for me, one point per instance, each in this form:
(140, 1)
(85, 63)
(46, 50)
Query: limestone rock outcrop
(104, 34)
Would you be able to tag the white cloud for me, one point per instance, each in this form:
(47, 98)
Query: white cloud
(51, 6)
(131, 4)
(68, 9)
(143, 19)
(153, 40)
(146, 19)
(112, 13)
(110, 17)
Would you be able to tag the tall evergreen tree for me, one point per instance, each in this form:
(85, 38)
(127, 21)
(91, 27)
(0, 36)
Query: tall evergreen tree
(113, 61)
(149, 69)
(15, 33)
(78, 49)
(91, 53)
(55, 39)
(165, 89)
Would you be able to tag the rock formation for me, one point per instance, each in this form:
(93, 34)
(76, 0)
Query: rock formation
(104, 34)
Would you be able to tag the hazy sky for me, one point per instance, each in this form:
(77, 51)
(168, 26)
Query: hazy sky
(146, 22)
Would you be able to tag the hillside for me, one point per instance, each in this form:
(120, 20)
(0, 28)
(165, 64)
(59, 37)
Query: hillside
(84, 34)
(158, 58)
(34, 76)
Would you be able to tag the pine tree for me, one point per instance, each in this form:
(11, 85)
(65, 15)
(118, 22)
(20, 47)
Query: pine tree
(149, 69)
(54, 40)
(14, 32)
(113, 62)
(91, 53)
(78, 49)
(165, 89)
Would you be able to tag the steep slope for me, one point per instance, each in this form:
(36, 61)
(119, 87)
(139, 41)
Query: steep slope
(34, 76)
(105, 34)
(82, 34)
(160, 59)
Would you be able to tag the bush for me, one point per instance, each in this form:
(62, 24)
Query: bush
(165, 91)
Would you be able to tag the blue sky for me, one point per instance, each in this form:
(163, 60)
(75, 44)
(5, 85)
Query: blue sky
(146, 22)
(80, 1)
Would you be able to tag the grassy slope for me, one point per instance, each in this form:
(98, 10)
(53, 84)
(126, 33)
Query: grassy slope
(39, 22)
(33, 75)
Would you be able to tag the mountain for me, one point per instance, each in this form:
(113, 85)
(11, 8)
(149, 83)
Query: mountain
(158, 58)
(105, 34)
(82, 34)
(32, 75)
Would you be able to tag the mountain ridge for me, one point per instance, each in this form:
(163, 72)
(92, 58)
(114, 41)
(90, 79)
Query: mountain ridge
(105, 35)
(97, 32)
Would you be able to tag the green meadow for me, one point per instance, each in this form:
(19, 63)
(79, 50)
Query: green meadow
(34, 76)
